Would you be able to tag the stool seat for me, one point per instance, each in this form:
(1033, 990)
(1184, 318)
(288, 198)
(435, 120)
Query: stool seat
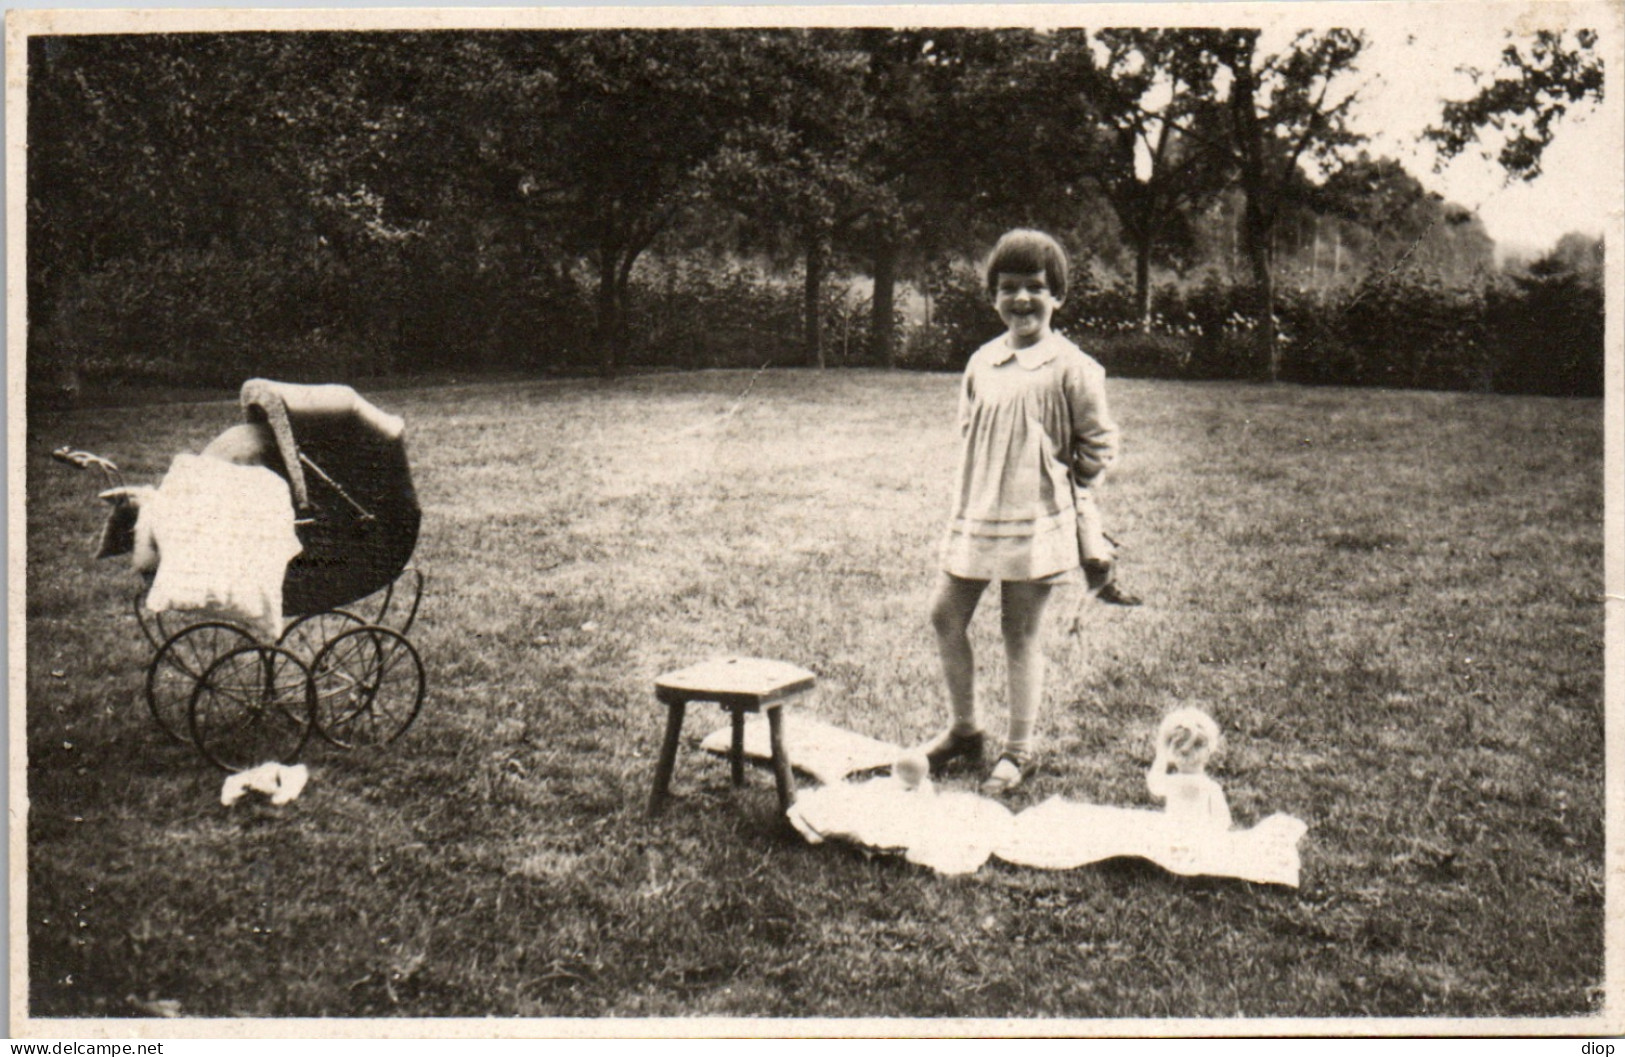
(735, 682)
(739, 685)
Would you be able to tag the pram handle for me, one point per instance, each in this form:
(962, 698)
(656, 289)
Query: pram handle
(84, 460)
(362, 513)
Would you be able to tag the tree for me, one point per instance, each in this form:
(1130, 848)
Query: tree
(1529, 96)
(1165, 156)
(793, 166)
(201, 154)
(633, 118)
(1576, 253)
(1283, 111)
(959, 122)
(1400, 222)
(589, 145)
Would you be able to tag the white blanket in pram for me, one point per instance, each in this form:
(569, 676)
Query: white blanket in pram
(224, 534)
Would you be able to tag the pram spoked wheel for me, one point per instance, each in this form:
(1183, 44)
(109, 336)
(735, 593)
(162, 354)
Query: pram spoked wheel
(253, 705)
(178, 666)
(306, 635)
(367, 687)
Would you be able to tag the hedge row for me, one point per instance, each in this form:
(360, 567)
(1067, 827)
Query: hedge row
(1540, 334)
(206, 319)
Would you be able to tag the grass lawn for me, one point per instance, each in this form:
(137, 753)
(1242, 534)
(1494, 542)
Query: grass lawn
(1391, 602)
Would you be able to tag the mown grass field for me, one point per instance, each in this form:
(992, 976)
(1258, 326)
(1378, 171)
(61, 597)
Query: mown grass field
(1391, 601)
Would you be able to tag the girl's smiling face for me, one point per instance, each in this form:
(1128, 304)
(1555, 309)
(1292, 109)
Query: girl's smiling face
(1025, 304)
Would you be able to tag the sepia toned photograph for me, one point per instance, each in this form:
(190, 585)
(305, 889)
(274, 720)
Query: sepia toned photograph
(936, 521)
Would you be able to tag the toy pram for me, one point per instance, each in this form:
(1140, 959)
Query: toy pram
(342, 667)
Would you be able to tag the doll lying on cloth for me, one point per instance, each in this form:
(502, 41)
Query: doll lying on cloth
(955, 832)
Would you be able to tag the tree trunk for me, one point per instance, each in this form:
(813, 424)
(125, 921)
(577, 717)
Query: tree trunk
(607, 325)
(1269, 348)
(1258, 211)
(812, 298)
(882, 340)
(66, 376)
(1142, 284)
(623, 305)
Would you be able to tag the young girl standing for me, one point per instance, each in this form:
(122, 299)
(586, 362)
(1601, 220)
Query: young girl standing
(1033, 420)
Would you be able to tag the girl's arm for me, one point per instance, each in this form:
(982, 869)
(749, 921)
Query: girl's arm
(965, 397)
(1095, 436)
(1156, 779)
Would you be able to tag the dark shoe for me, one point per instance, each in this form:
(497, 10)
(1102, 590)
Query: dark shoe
(1101, 578)
(1117, 596)
(950, 745)
(1008, 774)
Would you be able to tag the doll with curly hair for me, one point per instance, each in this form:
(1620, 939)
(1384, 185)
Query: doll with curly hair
(1193, 802)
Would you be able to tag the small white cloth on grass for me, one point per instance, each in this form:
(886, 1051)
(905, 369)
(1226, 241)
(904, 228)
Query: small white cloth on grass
(949, 831)
(1061, 835)
(281, 782)
(826, 752)
(224, 534)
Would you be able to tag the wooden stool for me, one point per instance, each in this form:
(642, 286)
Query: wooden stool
(740, 685)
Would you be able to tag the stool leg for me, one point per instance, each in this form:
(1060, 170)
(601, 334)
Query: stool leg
(668, 757)
(781, 759)
(736, 753)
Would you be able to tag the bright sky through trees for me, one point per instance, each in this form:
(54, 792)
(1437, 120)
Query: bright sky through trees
(1411, 64)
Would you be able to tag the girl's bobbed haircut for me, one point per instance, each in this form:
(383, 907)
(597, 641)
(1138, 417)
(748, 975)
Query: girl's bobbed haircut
(1024, 251)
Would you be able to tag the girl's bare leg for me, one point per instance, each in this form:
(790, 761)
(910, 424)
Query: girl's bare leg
(1022, 621)
(952, 607)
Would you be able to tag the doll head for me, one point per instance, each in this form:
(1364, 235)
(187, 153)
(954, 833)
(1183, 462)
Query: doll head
(1187, 738)
(911, 769)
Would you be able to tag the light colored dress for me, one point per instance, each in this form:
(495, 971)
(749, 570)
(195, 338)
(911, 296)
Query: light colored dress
(1031, 419)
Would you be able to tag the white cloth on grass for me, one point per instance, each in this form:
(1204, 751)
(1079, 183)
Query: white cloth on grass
(949, 831)
(1062, 835)
(281, 782)
(955, 831)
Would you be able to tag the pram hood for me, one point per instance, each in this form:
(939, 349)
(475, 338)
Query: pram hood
(347, 471)
(346, 465)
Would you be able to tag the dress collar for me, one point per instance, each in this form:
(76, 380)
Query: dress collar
(1030, 358)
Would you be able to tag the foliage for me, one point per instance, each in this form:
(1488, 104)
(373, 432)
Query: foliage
(1548, 332)
(1394, 222)
(1286, 109)
(1168, 155)
(1579, 254)
(167, 318)
(956, 116)
(202, 206)
(1406, 330)
(1531, 93)
(1540, 333)
(698, 311)
(795, 169)
(962, 320)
